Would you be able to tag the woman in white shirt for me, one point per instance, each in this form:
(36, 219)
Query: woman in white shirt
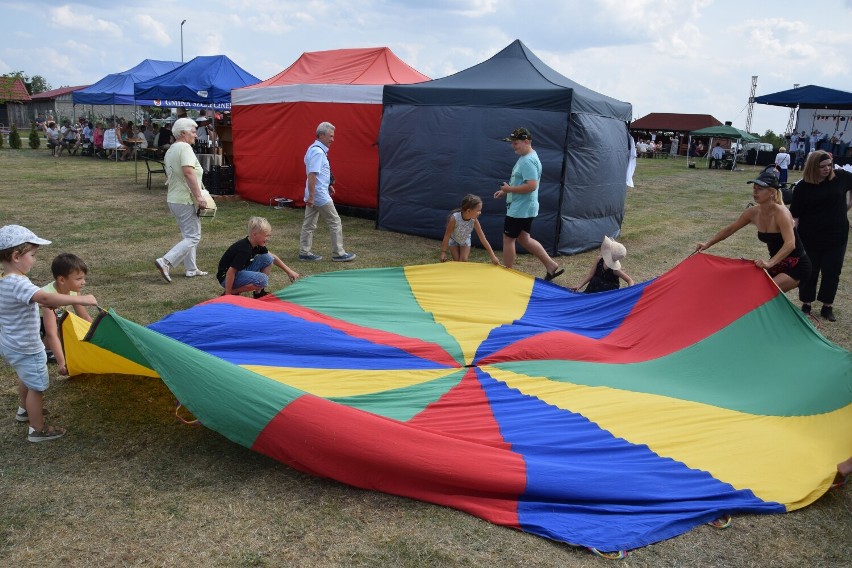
(782, 162)
(112, 140)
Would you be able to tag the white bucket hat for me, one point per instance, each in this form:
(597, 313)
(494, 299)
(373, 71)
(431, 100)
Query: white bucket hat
(612, 252)
(14, 235)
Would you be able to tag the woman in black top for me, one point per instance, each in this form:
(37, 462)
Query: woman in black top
(820, 203)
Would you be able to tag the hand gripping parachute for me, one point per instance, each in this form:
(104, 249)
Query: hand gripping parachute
(609, 420)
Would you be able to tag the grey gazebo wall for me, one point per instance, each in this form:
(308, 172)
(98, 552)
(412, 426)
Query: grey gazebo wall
(431, 156)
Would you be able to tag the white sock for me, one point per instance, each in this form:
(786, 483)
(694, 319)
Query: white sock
(22, 410)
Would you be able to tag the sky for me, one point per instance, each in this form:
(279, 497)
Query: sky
(680, 56)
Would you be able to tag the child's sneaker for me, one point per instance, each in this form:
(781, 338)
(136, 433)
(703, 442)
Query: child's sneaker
(259, 294)
(47, 433)
(24, 417)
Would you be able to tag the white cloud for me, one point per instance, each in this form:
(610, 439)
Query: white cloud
(85, 24)
(694, 56)
(152, 30)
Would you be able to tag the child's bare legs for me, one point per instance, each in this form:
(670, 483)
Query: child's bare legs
(33, 402)
(463, 253)
(509, 252)
(534, 248)
(22, 394)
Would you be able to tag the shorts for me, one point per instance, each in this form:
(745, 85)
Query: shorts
(252, 274)
(514, 226)
(31, 368)
(455, 243)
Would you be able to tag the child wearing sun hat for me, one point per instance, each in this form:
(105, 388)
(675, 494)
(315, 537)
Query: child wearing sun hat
(606, 271)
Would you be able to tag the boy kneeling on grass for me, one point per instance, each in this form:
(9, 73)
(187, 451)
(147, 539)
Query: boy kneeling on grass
(246, 265)
(20, 341)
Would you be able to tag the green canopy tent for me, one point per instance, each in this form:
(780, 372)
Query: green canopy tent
(727, 132)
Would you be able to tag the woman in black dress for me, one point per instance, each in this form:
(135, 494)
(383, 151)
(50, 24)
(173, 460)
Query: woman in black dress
(788, 263)
(820, 204)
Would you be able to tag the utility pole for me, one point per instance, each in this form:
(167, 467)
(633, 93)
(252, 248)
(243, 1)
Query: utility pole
(181, 40)
(751, 103)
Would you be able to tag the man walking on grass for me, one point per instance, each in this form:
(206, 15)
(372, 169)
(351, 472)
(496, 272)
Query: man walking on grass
(319, 188)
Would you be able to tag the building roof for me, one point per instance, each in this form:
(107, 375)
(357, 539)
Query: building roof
(674, 122)
(56, 93)
(12, 89)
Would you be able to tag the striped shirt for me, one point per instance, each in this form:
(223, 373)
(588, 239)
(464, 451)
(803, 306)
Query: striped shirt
(19, 322)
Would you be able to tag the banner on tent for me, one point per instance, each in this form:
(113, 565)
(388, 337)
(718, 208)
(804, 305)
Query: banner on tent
(168, 103)
(826, 121)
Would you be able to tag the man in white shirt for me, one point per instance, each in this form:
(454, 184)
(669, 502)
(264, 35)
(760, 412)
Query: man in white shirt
(319, 189)
(716, 155)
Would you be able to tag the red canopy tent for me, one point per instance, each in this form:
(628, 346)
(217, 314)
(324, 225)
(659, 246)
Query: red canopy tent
(274, 122)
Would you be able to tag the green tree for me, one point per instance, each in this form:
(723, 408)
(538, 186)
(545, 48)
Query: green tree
(774, 139)
(36, 84)
(35, 138)
(14, 138)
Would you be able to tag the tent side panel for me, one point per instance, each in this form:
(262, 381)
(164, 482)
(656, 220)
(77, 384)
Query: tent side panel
(595, 179)
(432, 156)
(551, 99)
(270, 142)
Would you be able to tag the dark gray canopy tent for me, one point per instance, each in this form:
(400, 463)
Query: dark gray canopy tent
(442, 139)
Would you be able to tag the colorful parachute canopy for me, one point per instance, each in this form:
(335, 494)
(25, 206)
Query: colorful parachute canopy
(609, 420)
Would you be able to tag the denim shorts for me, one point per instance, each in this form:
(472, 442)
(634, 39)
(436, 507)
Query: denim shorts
(31, 368)
(252, 274)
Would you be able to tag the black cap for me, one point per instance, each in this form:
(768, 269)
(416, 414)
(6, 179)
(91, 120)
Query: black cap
(518, 134)
(767, 178)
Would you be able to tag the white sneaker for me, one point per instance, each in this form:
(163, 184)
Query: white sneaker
(196, 272)
(163, 267)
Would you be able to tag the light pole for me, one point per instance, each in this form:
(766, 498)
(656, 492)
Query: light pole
(181, 40)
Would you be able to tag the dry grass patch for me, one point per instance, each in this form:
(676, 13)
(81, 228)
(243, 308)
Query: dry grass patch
(131, 486)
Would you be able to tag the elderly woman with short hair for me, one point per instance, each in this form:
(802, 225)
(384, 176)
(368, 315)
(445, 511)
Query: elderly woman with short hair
(183, 172)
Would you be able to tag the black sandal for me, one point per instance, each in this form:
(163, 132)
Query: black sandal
(555, 274)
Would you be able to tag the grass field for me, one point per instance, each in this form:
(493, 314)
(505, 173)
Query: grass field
(131, 486)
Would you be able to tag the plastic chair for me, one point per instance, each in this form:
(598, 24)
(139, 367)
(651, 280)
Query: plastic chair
(159, 168)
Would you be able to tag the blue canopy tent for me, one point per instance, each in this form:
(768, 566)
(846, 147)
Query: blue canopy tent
(581, 138)
(818, 109)
(117, 88)
(809, 96)
(203, 82)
